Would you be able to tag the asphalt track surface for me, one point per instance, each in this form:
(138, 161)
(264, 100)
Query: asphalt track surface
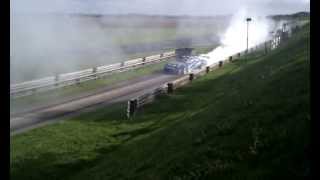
(120, 92)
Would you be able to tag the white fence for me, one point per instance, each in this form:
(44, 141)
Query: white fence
(62, 80)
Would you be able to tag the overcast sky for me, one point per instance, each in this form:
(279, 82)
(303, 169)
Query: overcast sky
(166, 7)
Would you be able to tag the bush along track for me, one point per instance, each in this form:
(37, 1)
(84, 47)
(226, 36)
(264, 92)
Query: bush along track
(247, 120)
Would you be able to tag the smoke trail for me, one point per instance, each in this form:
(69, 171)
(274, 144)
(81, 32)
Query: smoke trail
(234, 40)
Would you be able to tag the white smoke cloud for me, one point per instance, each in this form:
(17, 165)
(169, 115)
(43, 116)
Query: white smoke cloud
(48, 44)
(43, 37)
(234, 40)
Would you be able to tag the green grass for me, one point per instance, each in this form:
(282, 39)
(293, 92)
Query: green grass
(247, 120)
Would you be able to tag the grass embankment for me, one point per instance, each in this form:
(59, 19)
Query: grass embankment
(247, 120)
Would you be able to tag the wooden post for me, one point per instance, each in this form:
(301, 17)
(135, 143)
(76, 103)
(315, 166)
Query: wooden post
(94, 69)
(220, 63)
(270, 44)
(207, 69)
(230, 58)
(132, 107)
(191, 76)
(239, 54)
(143, 60)
(170, 88)
(56, 79)
(265, 48)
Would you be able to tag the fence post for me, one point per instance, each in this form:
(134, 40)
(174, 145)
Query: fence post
(230, 58)
(265, 48)
(207, 69)
(94, 69)
(143, 60)
(239, 54)
(191, 76)
(270, 44)
(220, 63)
(170, 88)
(132, 107)
(56, 79)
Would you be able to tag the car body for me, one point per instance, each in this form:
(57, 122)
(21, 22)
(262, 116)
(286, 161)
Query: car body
(185, 65)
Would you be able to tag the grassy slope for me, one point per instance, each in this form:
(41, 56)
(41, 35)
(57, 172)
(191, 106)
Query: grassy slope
(248, 120)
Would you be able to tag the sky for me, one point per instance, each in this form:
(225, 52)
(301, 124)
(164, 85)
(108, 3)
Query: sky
(158, 7)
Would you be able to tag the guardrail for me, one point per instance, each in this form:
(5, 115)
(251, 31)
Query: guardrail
(138, 102)
(62, 80)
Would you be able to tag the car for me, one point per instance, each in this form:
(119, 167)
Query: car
(185, 65)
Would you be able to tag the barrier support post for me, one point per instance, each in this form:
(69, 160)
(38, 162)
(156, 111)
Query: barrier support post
(132, 107)
(143, 60)
(207, 69)
(56, 79)
(191, 77)
(220, 63)
(170, 88)
(265, 48)
(94, 69)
